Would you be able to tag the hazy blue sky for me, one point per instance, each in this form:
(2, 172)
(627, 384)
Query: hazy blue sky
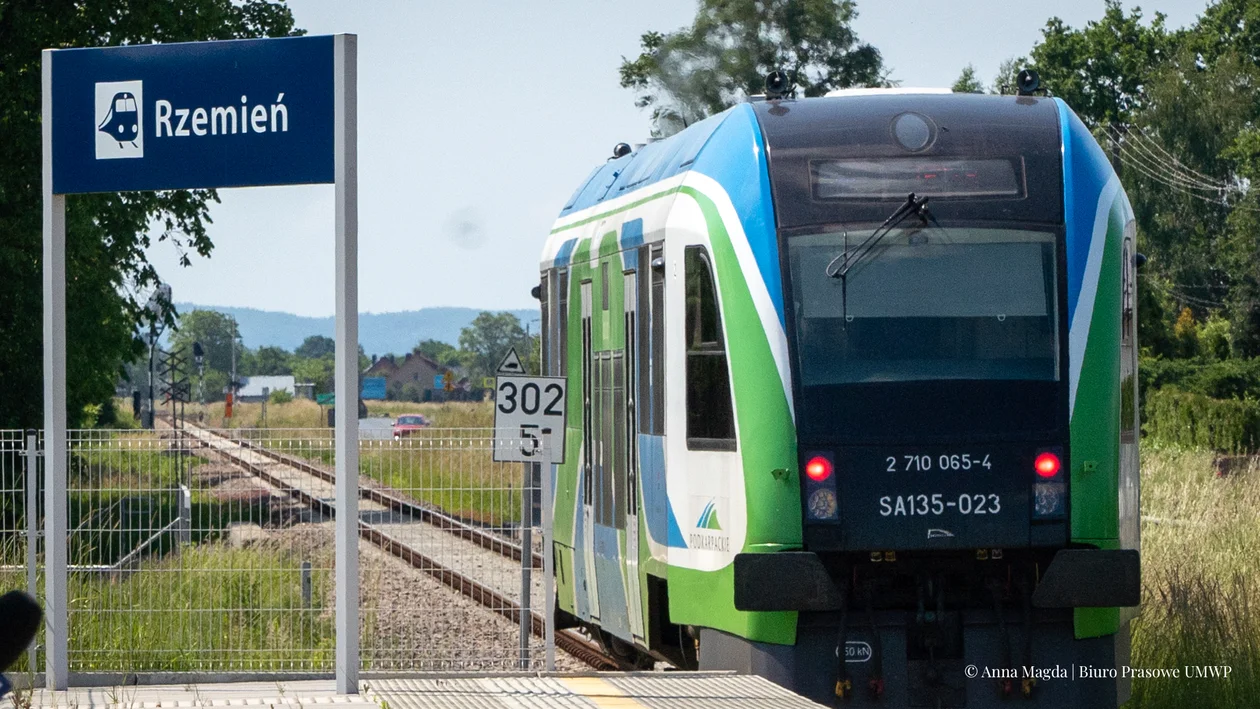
(477, 119)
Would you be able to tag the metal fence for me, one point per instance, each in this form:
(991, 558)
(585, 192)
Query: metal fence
(212, 551)
(20, 505)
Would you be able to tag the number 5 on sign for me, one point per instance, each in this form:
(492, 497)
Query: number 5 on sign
(525, 407)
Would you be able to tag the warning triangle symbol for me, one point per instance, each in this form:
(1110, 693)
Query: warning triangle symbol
(511, 364)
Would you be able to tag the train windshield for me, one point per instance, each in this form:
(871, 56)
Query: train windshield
(927, 303)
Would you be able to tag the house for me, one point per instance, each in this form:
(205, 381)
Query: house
(252, 388)
(415, 377)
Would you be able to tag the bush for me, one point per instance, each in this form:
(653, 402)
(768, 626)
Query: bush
(280, 396)
(1197, 421)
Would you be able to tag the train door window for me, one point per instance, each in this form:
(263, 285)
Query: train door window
(545, 336)
(656, 364)
(643, 340)
(607, 443)
(588, 437)
(617, 368)
(633, 393)
(562, 315)
(710, 421)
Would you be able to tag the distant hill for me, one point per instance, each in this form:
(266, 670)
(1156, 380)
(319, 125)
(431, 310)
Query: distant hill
(379, 333)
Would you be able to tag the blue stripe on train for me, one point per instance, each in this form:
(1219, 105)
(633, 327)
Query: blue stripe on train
(1085, 174)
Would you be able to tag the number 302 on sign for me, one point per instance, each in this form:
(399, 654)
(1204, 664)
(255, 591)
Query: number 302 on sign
(525, 407)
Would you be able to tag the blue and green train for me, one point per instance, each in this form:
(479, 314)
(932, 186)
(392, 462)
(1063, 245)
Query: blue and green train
(852, 400)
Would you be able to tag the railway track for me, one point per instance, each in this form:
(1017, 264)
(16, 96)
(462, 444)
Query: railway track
(312, 486)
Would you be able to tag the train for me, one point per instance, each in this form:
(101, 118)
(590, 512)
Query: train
(852, 401)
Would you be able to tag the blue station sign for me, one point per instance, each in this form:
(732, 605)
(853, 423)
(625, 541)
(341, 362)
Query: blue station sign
(197, 115)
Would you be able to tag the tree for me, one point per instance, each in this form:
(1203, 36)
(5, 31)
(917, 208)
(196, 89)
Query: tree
(266, 361)
(215, 331)
(1102, 70)
(106, 234)
(968, 82)
(316, 346)
(487, 341)
(317, 371)
(438, 351)
(732, 45)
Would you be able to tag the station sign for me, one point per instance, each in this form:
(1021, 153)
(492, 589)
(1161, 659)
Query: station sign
(526, 408)
(193, 115)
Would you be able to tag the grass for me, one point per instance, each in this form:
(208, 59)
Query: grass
(207, 607)
(1201, 588)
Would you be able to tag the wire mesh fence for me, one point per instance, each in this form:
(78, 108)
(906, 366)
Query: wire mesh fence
(440, 504)
(197, 550)
(20, 504)
(181, 559)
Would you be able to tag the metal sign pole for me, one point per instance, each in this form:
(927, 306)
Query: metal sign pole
(346, 388)
(549, 579)
(527, 559)
(56, 613)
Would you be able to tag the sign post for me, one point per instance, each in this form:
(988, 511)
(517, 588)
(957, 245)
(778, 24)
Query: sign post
(200, 115)
(529, 421)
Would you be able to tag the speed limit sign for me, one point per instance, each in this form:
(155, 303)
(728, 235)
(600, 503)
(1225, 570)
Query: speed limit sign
(524, 409)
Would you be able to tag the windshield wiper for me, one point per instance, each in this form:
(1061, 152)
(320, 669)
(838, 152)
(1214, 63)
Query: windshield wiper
(912, 205)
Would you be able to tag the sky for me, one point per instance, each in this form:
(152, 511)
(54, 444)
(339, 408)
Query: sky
(478, 119)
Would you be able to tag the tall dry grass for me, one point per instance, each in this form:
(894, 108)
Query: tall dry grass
(1201, 587)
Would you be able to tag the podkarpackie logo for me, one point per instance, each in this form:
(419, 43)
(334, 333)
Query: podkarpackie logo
(708, 534)
(119, 119)
(708, 518)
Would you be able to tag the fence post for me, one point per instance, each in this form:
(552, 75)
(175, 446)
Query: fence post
(549, 580)
(185, 515)
(527, 558)
(32, 524)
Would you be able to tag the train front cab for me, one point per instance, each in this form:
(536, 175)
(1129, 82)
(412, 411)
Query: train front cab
(965, 407)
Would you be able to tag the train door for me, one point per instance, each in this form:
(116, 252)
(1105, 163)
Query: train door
(630, 439)
(588, 456)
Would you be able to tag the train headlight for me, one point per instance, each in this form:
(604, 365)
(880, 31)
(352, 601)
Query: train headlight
(1049, 500)
(822, 504)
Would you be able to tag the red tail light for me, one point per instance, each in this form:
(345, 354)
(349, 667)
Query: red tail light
(818, 468)
(1047, 465)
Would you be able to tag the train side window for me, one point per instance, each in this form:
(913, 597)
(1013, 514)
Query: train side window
(656, 365)
(710, 421)
(562, 316)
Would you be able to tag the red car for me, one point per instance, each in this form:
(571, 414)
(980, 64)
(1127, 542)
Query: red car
(409, 423)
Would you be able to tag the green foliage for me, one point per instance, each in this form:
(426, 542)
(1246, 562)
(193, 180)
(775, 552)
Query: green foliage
(316, 346)
(318, 371)
(266, 361)
(1226, 379)
(106, 234)
(731, 45)
(215, 331)
(280, 396)
(440, 352)
(1101, 70)
(1197, 421)
(1214, 338)
(968, 82)
(488, 339)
